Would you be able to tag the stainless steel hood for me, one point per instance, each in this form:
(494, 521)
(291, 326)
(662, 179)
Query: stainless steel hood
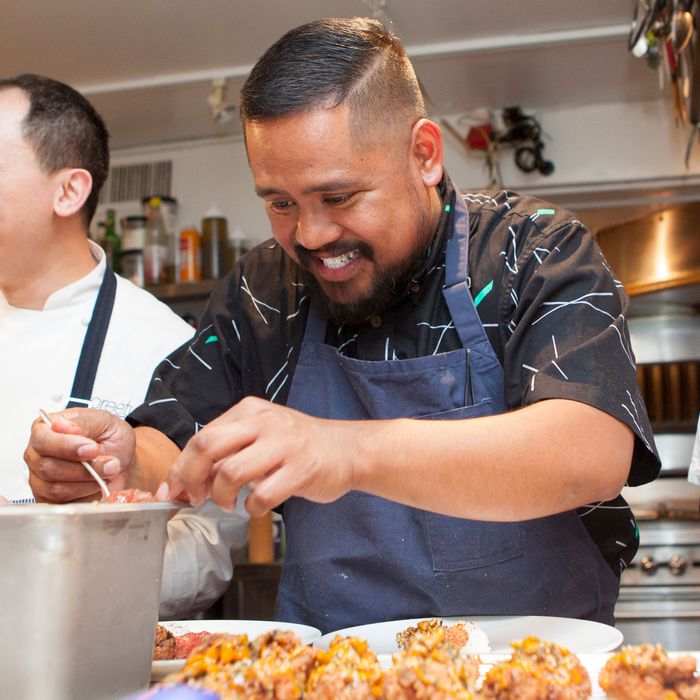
(657, 258)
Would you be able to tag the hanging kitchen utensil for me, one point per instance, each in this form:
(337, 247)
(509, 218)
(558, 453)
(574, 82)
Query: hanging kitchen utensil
(644, 12)
(694, 100)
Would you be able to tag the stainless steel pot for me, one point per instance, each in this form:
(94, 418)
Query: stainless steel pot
(79, 595)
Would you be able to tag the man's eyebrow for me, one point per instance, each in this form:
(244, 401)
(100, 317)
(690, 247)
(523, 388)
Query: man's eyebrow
(330, 186)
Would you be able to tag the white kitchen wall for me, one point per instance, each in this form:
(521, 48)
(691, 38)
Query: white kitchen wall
(619, 145)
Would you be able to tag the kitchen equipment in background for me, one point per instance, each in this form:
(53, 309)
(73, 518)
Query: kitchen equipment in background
(661, 33)
(660, 593)
(190, 270)
(133, 241)
(214, 242)
(79, 595)
(155, 247)
(168, 211)
(657, 258)
(237, 245)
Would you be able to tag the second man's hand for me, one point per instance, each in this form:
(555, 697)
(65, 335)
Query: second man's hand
(277, 451)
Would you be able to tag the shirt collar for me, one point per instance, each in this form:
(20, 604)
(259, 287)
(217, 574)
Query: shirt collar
(82, 289)
(443, 231)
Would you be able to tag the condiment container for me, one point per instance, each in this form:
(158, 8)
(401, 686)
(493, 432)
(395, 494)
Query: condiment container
(214, 243)
(155, 248)
(237, 245)
(260, 542)
(79, 596)
(133, 240)
(189, 255)
(168, 209)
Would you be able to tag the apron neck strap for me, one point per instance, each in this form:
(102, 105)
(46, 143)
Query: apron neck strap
(93, 343)
(457, 289)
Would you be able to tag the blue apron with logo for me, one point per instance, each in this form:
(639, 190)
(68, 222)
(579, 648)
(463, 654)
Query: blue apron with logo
(364, 559)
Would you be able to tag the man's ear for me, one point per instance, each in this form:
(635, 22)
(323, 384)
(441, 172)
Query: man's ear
(426, 146)
(73, 187)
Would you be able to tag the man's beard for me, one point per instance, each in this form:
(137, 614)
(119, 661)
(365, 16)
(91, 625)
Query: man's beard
(389, 285)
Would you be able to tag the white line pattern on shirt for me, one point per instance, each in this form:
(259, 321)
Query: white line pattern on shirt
(580, 300)
(296, 313)
(443, 328)
(257, 303)
(168, 400)
(207, 365)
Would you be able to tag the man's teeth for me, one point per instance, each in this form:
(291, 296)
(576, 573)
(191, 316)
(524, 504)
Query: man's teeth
(341, 260)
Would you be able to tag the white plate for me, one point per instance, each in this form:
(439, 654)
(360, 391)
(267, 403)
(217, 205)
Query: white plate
(579, 636)
(160, 669)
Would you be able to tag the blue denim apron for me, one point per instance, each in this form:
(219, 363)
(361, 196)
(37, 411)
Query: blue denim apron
(365, 559)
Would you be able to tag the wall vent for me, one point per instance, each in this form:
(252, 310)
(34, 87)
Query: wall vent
(131, 182)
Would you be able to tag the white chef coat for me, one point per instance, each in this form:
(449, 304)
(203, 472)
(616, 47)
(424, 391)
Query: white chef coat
(39, 351)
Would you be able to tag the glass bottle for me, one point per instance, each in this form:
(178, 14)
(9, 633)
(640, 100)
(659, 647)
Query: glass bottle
(155, 248)
(214, 243)
(133, 238)
(112, 242)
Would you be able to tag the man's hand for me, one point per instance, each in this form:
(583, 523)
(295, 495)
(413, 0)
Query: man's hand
(278, 451)
(4, 501)
(54, 454)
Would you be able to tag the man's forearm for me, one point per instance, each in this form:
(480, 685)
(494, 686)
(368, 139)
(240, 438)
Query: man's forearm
(153, 457)
(543, 459)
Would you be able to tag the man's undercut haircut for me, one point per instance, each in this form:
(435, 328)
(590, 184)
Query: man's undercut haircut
(332, 61)
(64, 130)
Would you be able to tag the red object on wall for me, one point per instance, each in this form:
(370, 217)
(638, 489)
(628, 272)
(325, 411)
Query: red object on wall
(479, 137)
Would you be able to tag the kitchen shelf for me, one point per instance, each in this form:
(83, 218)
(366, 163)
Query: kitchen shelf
(182, 291)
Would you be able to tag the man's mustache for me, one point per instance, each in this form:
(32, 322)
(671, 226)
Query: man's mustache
(332, 250)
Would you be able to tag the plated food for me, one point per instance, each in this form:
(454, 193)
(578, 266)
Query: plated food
(493, 634)
(185, 633)
(461, 635)
(646, 672)
(537, 670)
(168, 646)
(430, 665)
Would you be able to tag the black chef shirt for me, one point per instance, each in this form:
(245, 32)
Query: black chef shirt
(550, 305)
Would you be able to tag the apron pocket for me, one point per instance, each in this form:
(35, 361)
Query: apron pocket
(457, 544)
(483, 408)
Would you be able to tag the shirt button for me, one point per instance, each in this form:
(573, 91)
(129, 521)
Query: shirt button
(415, 287)
(376, 321)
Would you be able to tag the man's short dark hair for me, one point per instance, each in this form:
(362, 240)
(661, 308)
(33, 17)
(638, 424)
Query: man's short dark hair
(332, 61)
(64, 130)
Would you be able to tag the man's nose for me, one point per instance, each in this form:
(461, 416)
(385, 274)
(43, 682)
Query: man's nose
(315, 231)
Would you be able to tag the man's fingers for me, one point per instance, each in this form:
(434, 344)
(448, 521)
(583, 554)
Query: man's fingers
(274, 489)
(69, 446)
(210, 445)
(60, 423)
(63, 491)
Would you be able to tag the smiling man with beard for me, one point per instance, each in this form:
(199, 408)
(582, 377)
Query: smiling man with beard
(436, 388)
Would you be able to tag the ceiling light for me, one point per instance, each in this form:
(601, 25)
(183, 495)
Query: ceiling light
(221, 111)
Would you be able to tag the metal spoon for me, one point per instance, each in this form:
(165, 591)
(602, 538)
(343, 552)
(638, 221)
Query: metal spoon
(681, 30)
(103, 487)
